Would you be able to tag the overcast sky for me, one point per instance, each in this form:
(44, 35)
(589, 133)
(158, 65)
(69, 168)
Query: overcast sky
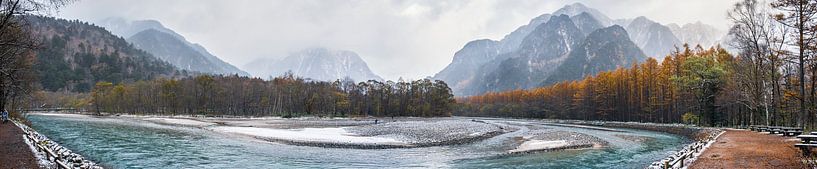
(410, 39)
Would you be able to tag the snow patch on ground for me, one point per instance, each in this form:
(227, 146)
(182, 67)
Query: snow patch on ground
(536, 145)
(62, 114)
(331, 135)
(183, 122)
(42, 160)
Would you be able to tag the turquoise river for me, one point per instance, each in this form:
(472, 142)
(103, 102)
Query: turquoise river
(121, 143)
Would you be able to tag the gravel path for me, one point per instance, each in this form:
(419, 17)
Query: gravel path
(749, 149)
(14, 152)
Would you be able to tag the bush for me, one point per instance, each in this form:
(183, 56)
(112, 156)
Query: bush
(690, 118)
(19, 117)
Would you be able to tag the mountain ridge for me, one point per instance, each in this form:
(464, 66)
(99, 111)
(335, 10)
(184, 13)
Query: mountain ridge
(508, 64)
(75, 55)
(320, 63)
(210, 64)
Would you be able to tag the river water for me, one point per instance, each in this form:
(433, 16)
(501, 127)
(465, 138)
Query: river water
(127, 143)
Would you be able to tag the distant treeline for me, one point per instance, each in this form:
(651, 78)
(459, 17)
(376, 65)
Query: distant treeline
(286, 96)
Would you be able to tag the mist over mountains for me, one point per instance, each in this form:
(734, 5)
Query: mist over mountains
(316, 63)
(166, 44)
(572, 42)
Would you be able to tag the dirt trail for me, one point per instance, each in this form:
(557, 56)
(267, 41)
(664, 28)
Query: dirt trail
(14, 153)
(749, 149)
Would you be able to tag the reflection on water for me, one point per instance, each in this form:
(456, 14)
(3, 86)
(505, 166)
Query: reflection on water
(124, 143)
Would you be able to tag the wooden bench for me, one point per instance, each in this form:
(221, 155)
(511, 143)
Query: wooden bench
(792, 131)
(775, 129)
(807, 143)
(807, 138)
(805, 148)
(762, 128)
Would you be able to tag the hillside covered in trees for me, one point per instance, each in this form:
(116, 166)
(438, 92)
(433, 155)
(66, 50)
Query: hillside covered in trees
(74, 55)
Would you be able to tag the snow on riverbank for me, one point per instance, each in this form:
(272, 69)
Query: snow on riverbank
(181, 122)
(432, 133)
(545, 139)
(67, 157)
(61, 114)
(395, 134)
(536, 145)
(310, 135)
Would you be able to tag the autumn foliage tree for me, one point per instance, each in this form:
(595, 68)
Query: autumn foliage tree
(691, 80)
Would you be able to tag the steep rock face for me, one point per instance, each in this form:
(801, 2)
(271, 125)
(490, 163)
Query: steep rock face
(578, 8)
(654, 39)
(544, 51)
(586, 19)
(511, 42)
(622, 22)
(586, 22)
(537, 56)
(551, 40)
(325, 65)
(467, 62)
(603, 50)
(175, 51)
(75, 55)
(697, 34)
(182, 58)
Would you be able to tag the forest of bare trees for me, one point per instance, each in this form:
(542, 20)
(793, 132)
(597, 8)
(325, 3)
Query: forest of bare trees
(286, 96)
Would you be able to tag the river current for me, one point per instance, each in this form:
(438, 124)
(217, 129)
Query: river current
(127, 143)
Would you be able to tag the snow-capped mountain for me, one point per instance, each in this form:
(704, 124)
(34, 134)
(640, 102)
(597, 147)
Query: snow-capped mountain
(654, 39)
(164, 43)
(579, 8)
(511, 41)
(538, 55)
(477, 65)
(697, 33)
(467, 61)
(127, 28)
(603, 50)
(321, 64)
(570, 43)
(586, 22)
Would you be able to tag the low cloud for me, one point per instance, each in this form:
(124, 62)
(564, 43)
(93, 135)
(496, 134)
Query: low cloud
(409, 39)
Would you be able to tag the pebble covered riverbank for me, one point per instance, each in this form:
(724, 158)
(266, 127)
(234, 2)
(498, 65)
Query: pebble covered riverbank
(432, 133)
(63, 155)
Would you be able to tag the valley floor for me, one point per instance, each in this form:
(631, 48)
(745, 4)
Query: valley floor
(14, 152)
(749, 149)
